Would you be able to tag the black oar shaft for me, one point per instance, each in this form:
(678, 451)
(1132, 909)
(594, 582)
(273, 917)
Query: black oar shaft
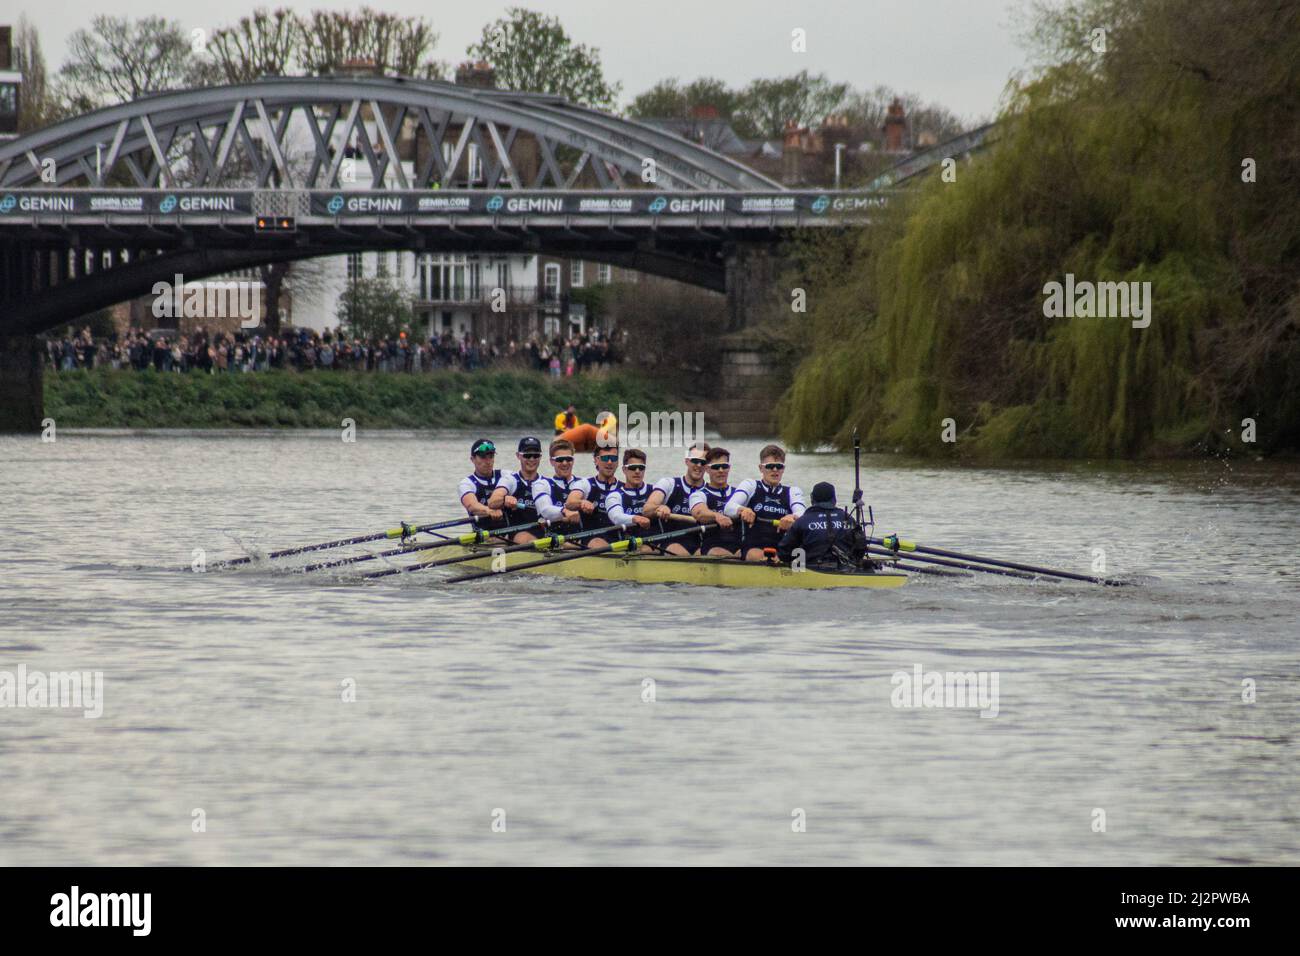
(965, 566)
(476, 537)
(344, 542)
(891, 559)
(358, 558)
(628, 544)
(541, 544)
(912, 549)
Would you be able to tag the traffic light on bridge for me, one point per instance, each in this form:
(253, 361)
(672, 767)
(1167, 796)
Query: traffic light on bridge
(275, 224)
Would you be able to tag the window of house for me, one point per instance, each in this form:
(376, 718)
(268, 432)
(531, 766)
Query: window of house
(604, 273)
(551, 281)
(575, 272)
(474, 279)
(356, 267)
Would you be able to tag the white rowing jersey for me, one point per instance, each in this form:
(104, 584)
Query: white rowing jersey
(597, 492)
(624, 504)
(549, 495)
(767, 501)
(677, 494)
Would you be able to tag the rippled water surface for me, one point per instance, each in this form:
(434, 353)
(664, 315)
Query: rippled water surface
(523, 698)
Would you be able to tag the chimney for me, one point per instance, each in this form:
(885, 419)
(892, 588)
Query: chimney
(791, 149)
(704, 111)
(895, 127)
(357, 67)
(479, 74)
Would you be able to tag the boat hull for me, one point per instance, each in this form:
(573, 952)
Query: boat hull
(665, 569)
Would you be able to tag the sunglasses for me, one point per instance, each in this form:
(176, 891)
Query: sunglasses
(634, 467)
(774, 466)
(721, 467)
(485, 450)
(607, 458)
(563, 460)
(695, 461)
(531, 457)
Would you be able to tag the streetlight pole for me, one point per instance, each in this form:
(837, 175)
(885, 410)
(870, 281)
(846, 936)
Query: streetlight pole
(839, 150)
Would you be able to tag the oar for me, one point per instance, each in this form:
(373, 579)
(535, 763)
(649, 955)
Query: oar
(404, 531)
(894, 543)
(965, 566)
(891, 559)
(627, 544)
(539, 544)
(474, 537)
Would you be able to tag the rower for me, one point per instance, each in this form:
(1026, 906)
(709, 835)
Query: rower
(828, 536)
(587, 496)
(476, 488)
(759, 502)
(625, 504)
(708, 505)
(566, 419)
(671, 496)
(514, 491)
(550, 494)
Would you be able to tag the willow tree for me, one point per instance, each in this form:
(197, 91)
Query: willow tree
(1162, 150)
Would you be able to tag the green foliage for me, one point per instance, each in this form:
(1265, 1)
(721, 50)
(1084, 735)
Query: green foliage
(668, 98)
(122, 398)
(1122, 167)
(375, 307)
(767, 104)
(531, 52)
(594, 297)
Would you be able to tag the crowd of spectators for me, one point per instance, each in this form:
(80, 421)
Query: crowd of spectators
(304, 349)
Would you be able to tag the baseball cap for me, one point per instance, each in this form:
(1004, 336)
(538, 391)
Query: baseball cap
(483, 446)
(530, 444)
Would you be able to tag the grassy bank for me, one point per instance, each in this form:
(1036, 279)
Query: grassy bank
(109, 398)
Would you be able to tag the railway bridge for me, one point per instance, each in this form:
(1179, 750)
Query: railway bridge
(96, 209)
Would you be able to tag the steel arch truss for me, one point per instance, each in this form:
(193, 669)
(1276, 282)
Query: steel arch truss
(300, 132)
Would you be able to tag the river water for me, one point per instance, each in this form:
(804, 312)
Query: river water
(1166, 713)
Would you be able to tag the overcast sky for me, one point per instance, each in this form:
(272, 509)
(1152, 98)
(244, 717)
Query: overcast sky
(959, 53)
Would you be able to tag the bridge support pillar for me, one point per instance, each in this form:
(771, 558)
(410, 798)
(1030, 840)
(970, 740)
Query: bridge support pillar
(752, 273)
(22, 384)
(752, 377)
(751, 385)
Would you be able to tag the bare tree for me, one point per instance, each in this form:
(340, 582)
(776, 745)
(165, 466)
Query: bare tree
(327, 40)
(117, 61)
(263, 44)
